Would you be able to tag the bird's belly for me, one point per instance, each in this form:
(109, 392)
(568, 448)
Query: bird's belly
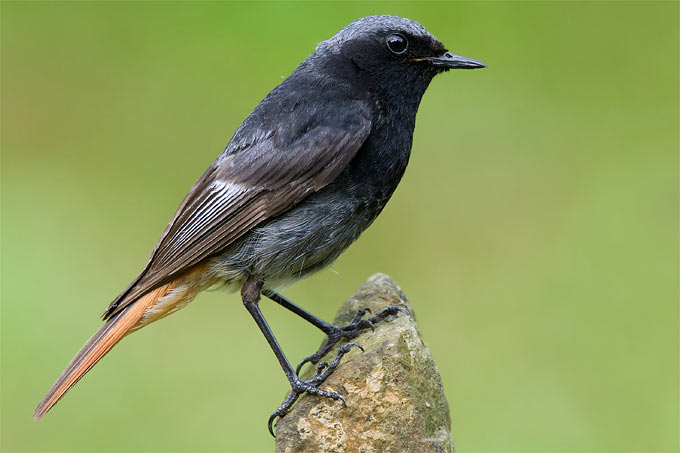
(297, 243)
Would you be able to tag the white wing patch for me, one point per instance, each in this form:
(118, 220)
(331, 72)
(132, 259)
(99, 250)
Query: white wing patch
(220, 196)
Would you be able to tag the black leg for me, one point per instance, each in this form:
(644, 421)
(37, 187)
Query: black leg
(301, 312)
(250, 294)
(334, 333)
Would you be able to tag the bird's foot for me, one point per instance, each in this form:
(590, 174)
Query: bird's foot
(311, 386)
(351, 330)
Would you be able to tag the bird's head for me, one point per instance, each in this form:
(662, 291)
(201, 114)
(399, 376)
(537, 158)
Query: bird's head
(386, 52)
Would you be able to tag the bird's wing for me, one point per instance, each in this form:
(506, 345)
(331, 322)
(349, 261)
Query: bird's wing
(261, 174)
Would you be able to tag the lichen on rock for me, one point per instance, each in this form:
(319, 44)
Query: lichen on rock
(395, 399)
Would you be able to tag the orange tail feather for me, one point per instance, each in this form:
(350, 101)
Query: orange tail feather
(101, 343)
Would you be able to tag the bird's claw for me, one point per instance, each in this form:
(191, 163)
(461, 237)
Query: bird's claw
(324, 369)
(314, 358)
(360, 314)
(349, 331)
(311, 386)
(320, 367)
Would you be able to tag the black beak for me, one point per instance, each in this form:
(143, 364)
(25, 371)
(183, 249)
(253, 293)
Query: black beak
(452, 61)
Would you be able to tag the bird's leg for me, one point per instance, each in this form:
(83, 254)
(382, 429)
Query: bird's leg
(334, 333)
(250, 294)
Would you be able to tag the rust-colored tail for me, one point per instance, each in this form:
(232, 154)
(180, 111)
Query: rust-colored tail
(101, 343)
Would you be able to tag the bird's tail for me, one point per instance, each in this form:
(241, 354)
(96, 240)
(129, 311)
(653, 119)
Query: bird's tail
(101, 343)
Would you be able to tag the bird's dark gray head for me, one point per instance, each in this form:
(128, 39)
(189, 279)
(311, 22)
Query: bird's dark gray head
(388, 51)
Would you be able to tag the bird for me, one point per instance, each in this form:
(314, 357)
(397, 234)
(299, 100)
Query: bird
(308, 170)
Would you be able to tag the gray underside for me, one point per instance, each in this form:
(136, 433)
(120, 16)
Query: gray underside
(302, 241)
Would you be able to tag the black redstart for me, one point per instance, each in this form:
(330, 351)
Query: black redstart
(308, 170)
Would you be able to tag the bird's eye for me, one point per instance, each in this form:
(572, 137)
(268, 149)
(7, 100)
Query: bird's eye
(397, 43)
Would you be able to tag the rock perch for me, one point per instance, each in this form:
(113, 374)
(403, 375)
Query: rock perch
(395, 398)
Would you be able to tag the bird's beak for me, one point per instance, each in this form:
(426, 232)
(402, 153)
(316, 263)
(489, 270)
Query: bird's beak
(452, 61)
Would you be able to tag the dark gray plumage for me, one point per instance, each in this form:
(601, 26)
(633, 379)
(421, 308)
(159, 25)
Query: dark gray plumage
(308, 170)
(327, 147)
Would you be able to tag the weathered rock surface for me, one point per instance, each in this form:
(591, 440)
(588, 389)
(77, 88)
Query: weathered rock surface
(395, 399)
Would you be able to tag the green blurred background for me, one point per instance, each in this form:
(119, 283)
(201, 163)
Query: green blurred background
(535, 230)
